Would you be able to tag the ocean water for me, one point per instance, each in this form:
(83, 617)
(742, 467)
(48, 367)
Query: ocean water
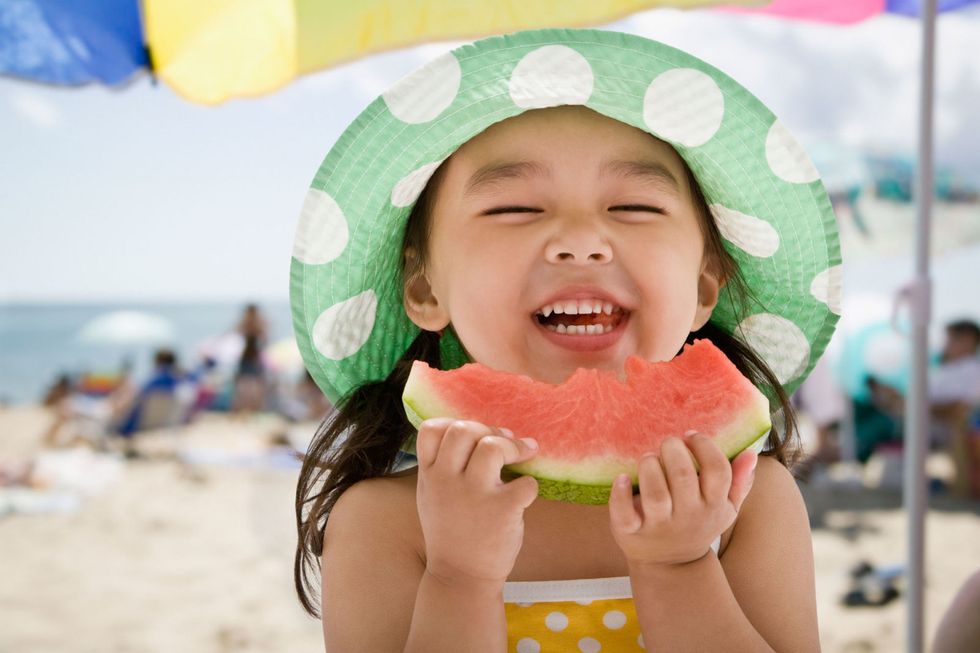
(40, 341)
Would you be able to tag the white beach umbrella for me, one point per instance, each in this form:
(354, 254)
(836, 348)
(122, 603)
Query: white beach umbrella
(127, 328)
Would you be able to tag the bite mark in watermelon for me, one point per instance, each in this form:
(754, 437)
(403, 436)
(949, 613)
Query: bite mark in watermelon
(593, 427)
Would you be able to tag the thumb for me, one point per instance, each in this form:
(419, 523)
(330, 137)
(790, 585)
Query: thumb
(743, 474)
(522, 491)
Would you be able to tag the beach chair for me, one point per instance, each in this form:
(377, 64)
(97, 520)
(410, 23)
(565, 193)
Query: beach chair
(159, 410)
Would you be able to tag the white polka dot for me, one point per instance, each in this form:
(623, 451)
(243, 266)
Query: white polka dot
(779, 341)
(408, 189)
(426, 92)
(614, 620)
(753, 235)
(528, 645)
(321, 234)
(589, 645)
(684, 105)
(826, 287)
(787, 158)
(551, 76)
(639, 642)
(556, 621)
(524, 605)
(583, 602)
(342, 329)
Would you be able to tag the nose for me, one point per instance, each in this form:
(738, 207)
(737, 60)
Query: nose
(579, 241)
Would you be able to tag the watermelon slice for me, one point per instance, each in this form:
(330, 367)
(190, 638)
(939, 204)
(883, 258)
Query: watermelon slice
(593, 426)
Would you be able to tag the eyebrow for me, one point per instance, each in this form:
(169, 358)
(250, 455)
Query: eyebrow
(651, 172)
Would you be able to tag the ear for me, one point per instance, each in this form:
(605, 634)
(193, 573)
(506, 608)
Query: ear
(421, 305)
(710, 284)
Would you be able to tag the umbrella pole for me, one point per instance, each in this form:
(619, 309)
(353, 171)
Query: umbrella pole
(917, 407)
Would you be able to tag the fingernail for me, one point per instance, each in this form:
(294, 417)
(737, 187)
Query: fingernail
(436, 422)
(507, 432)
(530, 442)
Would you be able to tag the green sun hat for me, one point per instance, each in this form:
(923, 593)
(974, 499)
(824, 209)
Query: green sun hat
(765, 194)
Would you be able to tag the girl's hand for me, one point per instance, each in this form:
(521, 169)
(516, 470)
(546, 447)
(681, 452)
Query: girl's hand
(679, 513)
(473, 522)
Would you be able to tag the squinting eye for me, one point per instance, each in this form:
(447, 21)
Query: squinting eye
(639, 208)
(510, 209)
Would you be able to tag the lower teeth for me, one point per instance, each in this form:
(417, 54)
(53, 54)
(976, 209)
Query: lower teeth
(580, 329)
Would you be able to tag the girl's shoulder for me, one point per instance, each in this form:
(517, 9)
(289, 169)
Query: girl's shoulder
(774, 499)
(774, 492)
(379, 505)
(773, 484)
(371, 565)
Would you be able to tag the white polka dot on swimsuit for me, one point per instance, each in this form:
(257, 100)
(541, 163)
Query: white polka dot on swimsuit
(574, 625)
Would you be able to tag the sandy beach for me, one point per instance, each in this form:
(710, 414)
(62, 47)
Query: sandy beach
(189, 548)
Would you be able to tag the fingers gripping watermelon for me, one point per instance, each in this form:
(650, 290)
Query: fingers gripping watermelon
(593, 426)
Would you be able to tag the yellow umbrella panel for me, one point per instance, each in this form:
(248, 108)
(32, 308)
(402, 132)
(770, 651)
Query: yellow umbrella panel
(211, 51)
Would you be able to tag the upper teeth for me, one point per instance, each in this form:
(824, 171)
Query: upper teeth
(578, 307)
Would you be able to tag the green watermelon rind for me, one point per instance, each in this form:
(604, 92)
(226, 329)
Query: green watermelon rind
(559, 489)
(749, 428)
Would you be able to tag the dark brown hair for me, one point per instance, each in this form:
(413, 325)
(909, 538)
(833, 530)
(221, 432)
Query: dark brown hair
(362, 439)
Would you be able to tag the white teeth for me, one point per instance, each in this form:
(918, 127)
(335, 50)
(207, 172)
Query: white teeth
(580, 330)
(580, 307)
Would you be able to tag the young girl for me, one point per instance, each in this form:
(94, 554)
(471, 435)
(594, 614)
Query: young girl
(540, 202)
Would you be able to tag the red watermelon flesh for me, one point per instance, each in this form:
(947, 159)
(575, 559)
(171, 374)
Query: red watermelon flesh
(593, 426)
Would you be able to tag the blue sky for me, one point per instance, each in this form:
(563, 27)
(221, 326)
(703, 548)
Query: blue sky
(135, 194)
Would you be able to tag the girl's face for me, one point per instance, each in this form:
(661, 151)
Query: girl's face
(548, 216)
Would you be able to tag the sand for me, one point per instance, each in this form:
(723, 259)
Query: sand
(198, 558)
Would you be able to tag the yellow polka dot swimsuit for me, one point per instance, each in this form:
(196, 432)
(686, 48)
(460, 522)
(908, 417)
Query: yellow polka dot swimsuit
(562, 616)
(567, 616)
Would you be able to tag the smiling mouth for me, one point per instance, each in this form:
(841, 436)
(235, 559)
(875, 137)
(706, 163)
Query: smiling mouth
(584, 324)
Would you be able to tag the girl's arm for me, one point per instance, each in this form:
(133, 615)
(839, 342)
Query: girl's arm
(769, 561)
(759, 597)
(376, 595)
(388, 588)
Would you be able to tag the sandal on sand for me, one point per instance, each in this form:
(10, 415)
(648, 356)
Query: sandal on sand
(872, 587)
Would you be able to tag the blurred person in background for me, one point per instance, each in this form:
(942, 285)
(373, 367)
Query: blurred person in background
(205, 385)
(954, 403)
(250, 379)
(821, 399)
(84, 406)
(253, 325)
(156, 404)
(959, 630)
(57, 399)
(250, 385)
(305, 401)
